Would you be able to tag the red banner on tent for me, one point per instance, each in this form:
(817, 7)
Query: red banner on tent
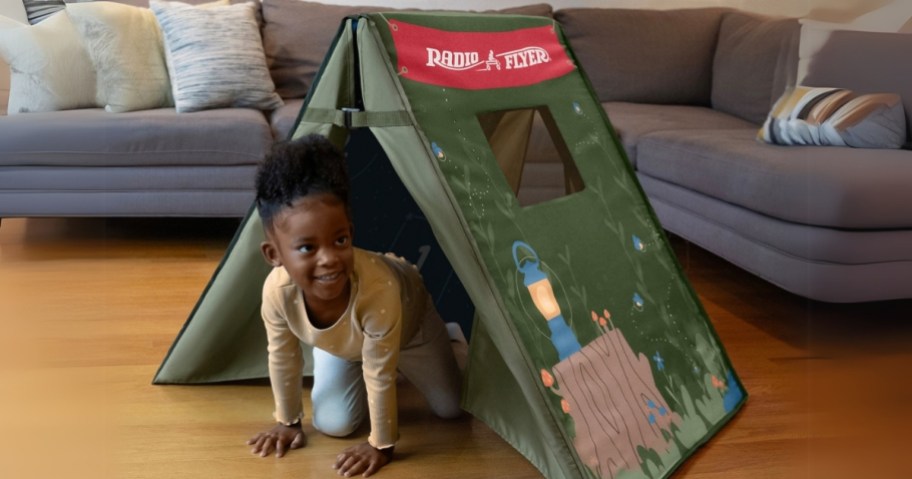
(479, 60)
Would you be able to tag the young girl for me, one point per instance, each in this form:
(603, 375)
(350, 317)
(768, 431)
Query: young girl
(367, 315)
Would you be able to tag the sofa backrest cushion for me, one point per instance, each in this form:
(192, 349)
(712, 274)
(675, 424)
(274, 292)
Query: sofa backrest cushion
(866, 62)
(296, 37)
(756, 60)
(297, 34)
(645, 56)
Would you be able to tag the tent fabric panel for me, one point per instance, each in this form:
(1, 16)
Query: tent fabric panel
(223, 339)
(616, 268)
(211, 349)
(420, 173)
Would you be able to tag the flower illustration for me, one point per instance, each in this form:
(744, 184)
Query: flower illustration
(547, 378)
(717, 383)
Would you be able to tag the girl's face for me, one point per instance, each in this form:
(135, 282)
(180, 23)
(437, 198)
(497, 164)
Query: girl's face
(312, 239)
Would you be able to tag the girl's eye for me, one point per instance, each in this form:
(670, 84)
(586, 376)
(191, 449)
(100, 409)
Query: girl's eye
(342, 241)
(305, 248)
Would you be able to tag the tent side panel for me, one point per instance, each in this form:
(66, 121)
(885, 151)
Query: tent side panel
(411, 156)
(223, 339)
(581, 295)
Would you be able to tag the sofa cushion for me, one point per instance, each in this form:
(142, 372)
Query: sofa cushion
(819, 185)
(633, 120)
(215, 56)
(297, 34)
(836, 117)
(846, 61)
(125, 45)
(93, 137)
(755, 62)
(50, 69)
(645, 56)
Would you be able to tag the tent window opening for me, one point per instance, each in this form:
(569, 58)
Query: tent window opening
(532, 154)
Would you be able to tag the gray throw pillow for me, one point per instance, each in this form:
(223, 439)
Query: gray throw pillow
(215, 56)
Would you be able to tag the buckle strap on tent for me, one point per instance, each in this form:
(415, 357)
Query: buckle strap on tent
(352, 118)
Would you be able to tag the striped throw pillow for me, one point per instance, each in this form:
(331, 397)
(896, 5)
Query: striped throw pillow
(38, 10)
(215, 56)
(835, 117)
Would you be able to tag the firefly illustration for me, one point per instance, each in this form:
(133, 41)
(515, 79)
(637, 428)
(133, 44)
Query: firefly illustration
(638, 302)
(438, 152)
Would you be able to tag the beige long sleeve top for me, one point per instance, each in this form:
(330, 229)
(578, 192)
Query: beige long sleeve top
(388, 301)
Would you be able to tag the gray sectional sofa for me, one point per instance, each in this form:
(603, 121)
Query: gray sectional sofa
(686, 91)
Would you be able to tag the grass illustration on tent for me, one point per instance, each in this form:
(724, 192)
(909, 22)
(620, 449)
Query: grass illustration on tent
(620, 422)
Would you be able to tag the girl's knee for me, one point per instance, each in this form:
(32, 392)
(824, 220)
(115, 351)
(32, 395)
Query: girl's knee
(336, 424)
(449, 410)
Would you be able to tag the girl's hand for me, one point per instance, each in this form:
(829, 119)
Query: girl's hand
(280, 438)
(362, 458)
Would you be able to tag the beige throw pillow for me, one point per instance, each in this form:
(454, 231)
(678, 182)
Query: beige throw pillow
(125, 45)
(50, 69)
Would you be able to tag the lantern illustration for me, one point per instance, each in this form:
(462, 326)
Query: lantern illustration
(542, 294)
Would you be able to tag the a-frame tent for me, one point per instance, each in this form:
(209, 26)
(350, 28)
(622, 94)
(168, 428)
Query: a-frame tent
(590, 353)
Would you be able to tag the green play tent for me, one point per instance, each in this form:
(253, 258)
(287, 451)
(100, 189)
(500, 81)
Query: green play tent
(590, 353)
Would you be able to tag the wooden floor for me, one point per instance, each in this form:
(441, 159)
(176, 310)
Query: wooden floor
(89, 307)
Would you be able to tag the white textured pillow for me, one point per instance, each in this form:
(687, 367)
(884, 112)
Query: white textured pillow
(125, 46)
(50, 67)
(215, 56)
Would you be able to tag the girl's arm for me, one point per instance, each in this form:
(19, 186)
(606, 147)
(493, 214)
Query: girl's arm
(285, 369)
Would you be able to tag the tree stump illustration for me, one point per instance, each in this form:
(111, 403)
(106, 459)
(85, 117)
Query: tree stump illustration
(607, 389)
(611, 395)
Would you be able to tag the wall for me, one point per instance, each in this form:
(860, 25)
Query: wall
(827, 10)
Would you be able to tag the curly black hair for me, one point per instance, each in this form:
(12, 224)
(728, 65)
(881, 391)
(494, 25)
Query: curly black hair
(297, 168)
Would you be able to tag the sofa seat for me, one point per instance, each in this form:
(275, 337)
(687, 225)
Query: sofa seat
(633, 120)
(824, 186)
(147, 163)
(825, 264)
(825, 223)
(94, 137)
